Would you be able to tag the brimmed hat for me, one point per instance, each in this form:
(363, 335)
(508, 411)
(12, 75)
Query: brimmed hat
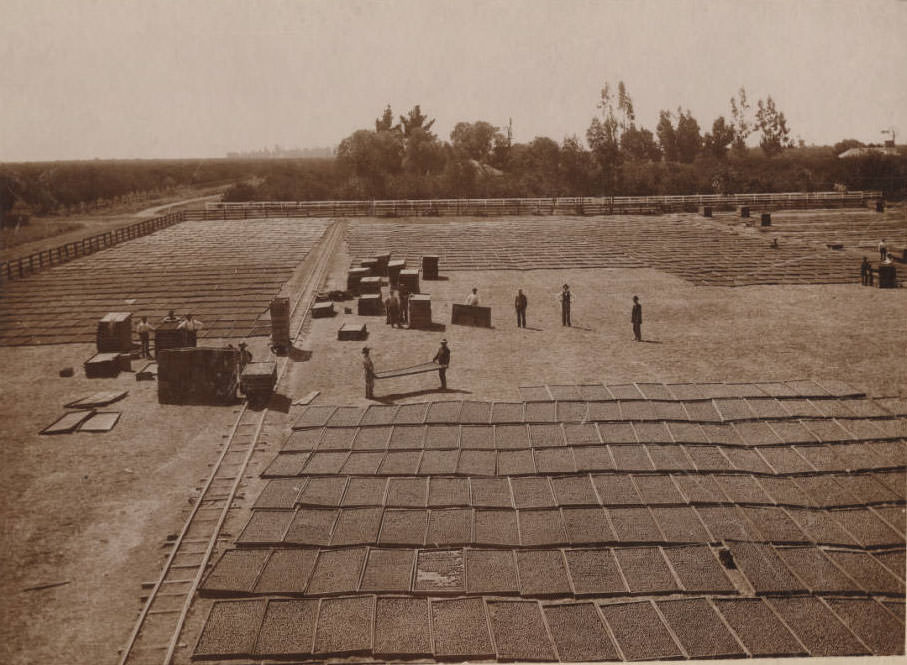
(443, 341)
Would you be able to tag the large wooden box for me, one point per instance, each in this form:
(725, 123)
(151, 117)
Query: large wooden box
(370, 305)
(353, 277)
(115, 333)
(323, 310)
(202, 375)
(469, 315)
(420, 311)
(370, 285)
(888, 276)
(430, 266)
(168, 335)
(103, 366)
(409, 281)
(352, 332)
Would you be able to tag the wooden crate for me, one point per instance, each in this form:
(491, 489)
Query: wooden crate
(888, 276)
(743, 211)
(393, 271)
(430, 266)
(350, 332)
(115, 332)
(420, 311)
(202, 375)
(469, 315)
(323, 310)
(353, 276)
(381, 262)
(280, 321)
(368, 285)
(370, 305)
(370, 265)
(168, 335)
(705, 211)
(409, 281)
(766, 219)
(103, 366)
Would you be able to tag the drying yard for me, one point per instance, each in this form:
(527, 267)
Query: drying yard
(732, 486)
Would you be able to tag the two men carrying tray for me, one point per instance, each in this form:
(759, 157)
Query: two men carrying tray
(439, 362)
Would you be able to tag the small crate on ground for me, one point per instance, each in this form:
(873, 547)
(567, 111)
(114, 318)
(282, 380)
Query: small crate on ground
(350, 332)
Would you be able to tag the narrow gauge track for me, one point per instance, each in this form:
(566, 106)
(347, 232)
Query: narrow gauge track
(155, 637)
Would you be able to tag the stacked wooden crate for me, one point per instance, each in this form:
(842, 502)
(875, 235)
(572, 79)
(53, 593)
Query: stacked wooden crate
(197, 375)
(168, 335)
(353, 276)
(370, 304)
(430, 266)
(409, 281)
(370, 285)
(115, 333)
(420, 311)
(280, 322)
(371, 265)
(103, 366)
(258, 380)
(323, 310)
(393, 271)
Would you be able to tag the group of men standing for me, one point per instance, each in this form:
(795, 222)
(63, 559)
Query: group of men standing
(566, 299)
(189, 324)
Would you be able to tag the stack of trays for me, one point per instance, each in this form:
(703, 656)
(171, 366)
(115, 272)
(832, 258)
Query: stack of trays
(168, 335)
(323, 310)
(370, 285)
(371, 265)
(259, 379)
(409, 281)
(353, 276)
(352, 332)
(420, 311)
(381, 261)
(430, 266)
(197, 375)
(393, 271)
(370, 305)
(280, 321)
(115, 333)
(103, 366)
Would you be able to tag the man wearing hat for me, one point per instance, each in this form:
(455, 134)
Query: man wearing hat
(442, 358)
(566, 298)
(636, 319)
(369, 368)
(245, 356)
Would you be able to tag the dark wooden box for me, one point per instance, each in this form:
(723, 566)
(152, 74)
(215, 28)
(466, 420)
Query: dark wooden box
(350, 332)
(468, 315)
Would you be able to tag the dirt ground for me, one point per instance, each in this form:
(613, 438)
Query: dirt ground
(90, 513)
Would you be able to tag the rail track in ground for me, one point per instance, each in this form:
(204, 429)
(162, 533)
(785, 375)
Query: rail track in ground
(155, 637)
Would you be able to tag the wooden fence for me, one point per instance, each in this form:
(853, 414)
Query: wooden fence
(28, 265)
(536, 206)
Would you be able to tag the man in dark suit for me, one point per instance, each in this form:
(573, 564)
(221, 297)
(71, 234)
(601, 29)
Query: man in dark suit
(442, 358)
(520, 303)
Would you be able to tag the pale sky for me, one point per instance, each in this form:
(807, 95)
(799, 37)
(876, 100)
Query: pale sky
(81, 79)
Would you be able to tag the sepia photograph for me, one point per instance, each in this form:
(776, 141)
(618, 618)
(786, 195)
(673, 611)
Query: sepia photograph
(400, 331)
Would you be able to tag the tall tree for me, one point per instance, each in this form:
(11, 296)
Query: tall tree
(740, 116)
(667, 136)
(604, 141)
(639, 144)
(415, 119)
(575, 168)
(385, 122)
(771, 123)
(473, 140)
(717, 141)
(689, 139)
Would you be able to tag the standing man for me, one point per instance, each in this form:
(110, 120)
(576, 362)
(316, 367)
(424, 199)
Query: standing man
(636, 318)
(191, 326)
(865, 271)
(442, 358)
(144, 329)
(520, 303)
(883, 250)
(566, 299)
(472, 299)
(369, 368)
(395, 310)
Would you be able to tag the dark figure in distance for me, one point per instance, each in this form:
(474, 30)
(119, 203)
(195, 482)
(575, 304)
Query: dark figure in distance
(520, 303)
(245, 356)
(883, 250)
(369, 368)
(566, 298)
(866, 272)
(636, 318)
(442, 358)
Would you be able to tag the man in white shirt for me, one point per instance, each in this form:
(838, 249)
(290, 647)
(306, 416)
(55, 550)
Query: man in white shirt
(144, 329)
(191, 326)
(473, 298)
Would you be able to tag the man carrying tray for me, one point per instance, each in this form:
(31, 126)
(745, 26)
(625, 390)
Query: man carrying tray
(442, 358)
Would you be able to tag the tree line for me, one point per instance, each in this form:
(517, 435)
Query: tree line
(403, 158)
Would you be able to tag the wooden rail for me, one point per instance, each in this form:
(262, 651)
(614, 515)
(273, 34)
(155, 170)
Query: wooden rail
(28, 265)
(517, 206)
